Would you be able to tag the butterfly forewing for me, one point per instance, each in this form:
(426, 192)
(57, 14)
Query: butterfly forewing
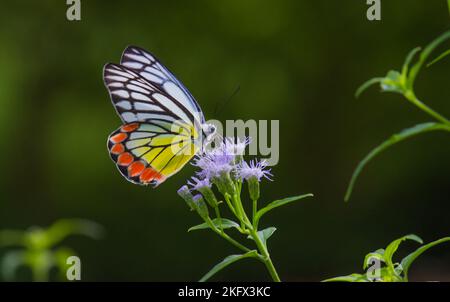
(136, 100)
(151, 69)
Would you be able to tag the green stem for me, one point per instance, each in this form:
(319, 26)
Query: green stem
(414, 100)
(265, 256)
(225, 236)
(254, 210)
(216, 209)
(261, 246)
(232, 241)
(227, 200)
(235, 209)
(240, 212)
(238, 209)
(238, 204)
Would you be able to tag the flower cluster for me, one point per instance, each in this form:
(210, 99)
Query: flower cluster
(224, 167)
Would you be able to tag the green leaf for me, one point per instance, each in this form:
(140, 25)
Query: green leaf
(378, 254)
(393, 82)
(66, 227)
(227, 261)
(348, 278)
(388, 275)
(393, 246)
(403, 135)
(366, 85)
(392, 76)
(265, 234)
(226, 224)
(392, 272)
(424, 56)
(440, 57)
(408, 260)
(408, 60)
(279, 203)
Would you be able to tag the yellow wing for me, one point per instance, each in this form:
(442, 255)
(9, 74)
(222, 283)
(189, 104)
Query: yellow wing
(149, 153)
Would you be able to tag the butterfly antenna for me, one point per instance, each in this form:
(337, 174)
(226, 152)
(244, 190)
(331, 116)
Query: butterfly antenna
(220, 107)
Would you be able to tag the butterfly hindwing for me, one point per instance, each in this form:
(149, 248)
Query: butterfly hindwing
(150, 153)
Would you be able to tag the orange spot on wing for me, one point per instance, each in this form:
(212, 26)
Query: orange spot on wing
(129, 127)
(125, 159)
(117, 149)
(118, 138)
(159, 177)
(149, 174)
(136, 168)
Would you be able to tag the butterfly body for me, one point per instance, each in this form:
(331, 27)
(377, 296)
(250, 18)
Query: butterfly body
(163, 126)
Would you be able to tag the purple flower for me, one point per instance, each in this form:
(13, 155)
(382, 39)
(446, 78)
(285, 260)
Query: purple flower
(212, 167)
(198, 198)
(198, 184)
(256, 169)
(215, 162)
(235, 147)
(204, 187)
(184, 192)
(218, 164)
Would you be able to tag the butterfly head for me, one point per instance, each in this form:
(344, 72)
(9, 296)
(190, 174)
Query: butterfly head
(209, 130)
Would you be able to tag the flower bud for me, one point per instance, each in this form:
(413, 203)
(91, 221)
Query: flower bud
(253, 187)
(224, 183)
(200, 206)
(208, 194)
(185, 193)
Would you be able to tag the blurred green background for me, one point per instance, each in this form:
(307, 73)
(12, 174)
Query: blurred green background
(295, 61)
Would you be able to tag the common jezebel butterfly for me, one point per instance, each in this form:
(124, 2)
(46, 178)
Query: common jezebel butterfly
(163, 126)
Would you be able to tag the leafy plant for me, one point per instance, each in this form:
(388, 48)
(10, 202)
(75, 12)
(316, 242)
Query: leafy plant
(38, 247)
(402, 82)
(382, 268)
(223, 170)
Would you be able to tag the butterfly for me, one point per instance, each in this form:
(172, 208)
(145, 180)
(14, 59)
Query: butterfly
(162, 127)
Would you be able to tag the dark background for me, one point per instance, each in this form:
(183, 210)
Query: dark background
(295, 61)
